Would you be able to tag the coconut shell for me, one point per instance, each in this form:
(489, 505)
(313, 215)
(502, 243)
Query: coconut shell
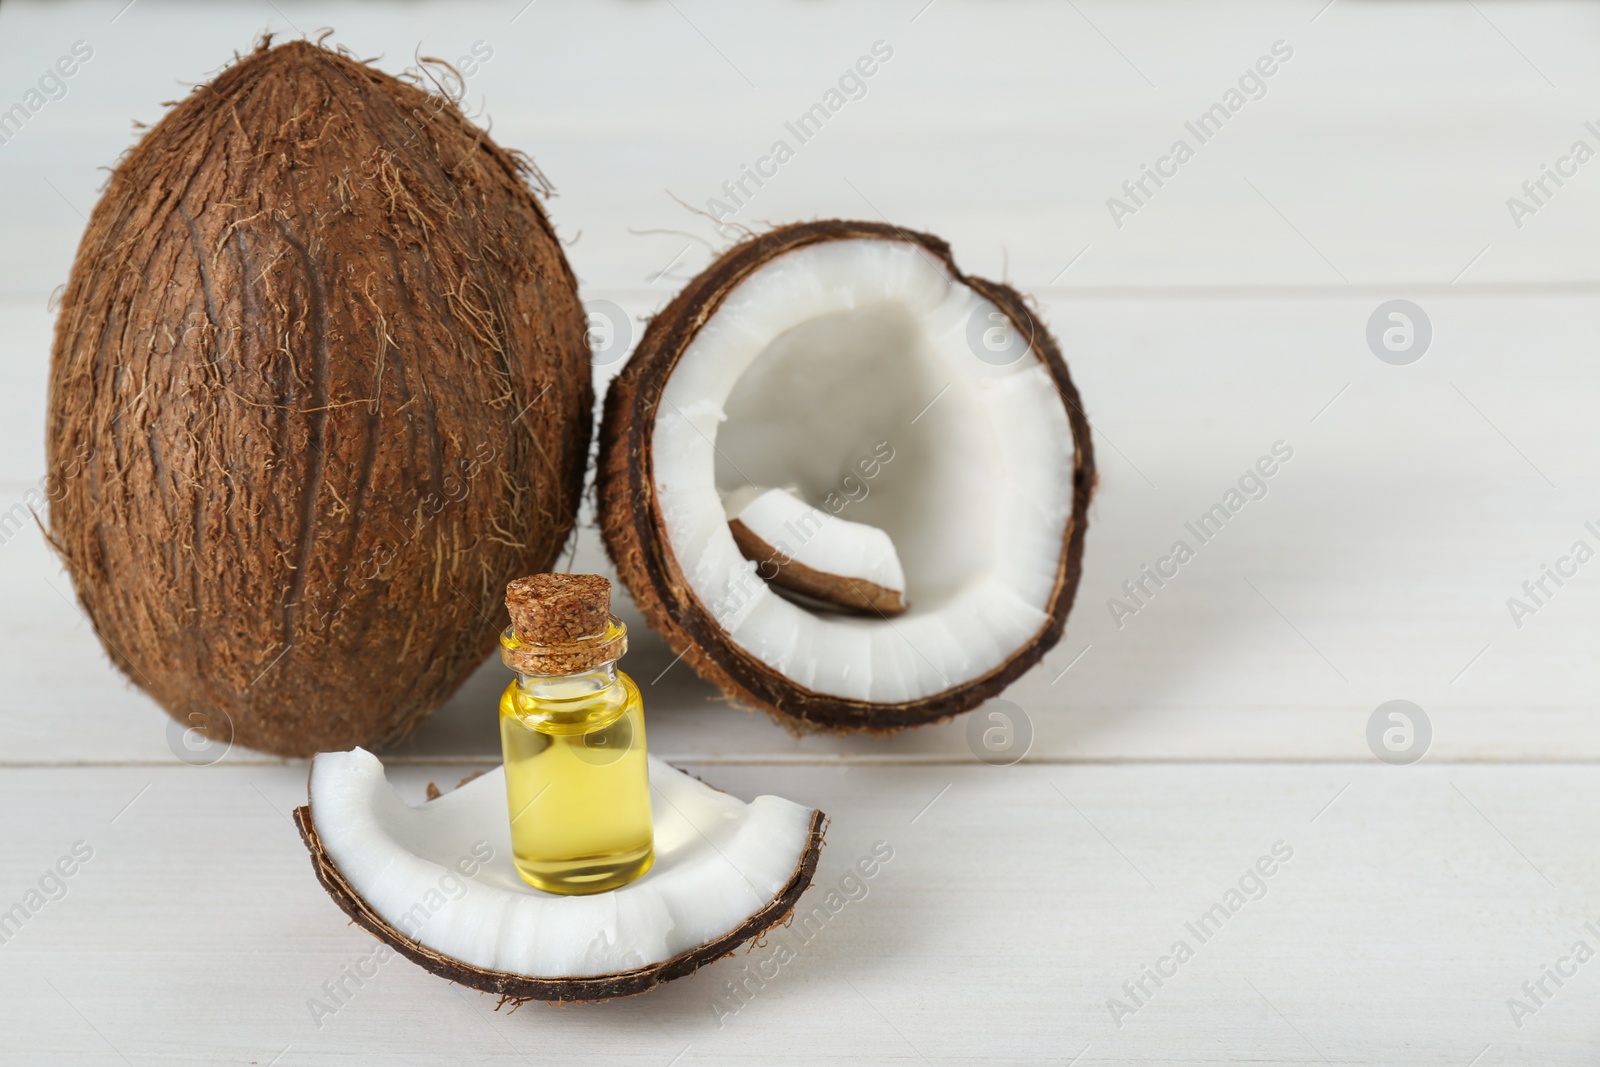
(320, 388)
(521, 987)
(631, 523)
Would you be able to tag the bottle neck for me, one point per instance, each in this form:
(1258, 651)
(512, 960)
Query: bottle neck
(581, 685)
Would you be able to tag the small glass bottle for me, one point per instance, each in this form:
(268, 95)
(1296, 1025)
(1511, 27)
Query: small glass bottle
(572, 733)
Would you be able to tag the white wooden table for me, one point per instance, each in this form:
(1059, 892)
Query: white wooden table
(1227, 313)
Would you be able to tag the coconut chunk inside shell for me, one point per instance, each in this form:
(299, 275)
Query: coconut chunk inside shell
(854, 363)
(834, 561)
(436, 881)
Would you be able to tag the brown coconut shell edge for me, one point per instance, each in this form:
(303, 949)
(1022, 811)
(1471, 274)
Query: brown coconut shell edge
(519, 988)
(630, 519)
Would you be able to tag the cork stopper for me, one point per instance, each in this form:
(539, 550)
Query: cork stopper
(560, 624)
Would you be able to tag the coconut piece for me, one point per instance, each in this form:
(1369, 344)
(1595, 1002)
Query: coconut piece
(436, 882)
(320, 388)
(838, 562)
(854, 361)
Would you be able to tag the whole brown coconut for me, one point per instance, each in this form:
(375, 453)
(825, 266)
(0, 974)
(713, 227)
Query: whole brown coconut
(853, 362)
(319, 390)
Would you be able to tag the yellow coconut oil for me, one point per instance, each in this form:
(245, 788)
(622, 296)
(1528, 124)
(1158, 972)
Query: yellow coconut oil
(572, 734)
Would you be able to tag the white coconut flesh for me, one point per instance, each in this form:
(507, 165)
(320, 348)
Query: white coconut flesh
(718, 862)
(816, 539)
(811, 369)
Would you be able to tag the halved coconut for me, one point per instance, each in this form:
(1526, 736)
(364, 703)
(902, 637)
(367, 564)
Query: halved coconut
(436, 882)
(855, 363)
